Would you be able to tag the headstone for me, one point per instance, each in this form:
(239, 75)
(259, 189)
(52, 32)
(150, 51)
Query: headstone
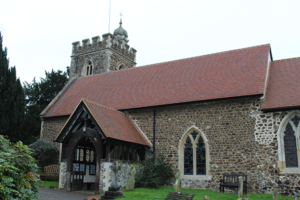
(275, 193)
(240, 190)
(177, 185)
(130, 182)
(206, 197)
(114, 191)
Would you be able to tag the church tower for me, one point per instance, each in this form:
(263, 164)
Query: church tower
(100, 56)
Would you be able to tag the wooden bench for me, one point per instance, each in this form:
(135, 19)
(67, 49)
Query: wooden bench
(50, 170)
(179, 196)
(232, 181)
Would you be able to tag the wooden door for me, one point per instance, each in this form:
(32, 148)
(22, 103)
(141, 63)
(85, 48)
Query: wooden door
(77, 183)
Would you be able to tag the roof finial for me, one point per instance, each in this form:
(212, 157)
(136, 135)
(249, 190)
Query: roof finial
(121, 15)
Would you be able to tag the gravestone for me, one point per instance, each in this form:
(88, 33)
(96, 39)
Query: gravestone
(275, 193)
(240, 190)
(206, 197)
(114, 191)
(130, 182)
(177, 185)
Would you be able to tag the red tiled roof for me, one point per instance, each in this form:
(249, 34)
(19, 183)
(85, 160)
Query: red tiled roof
(283, 88)
(221, 75)
(115, 124)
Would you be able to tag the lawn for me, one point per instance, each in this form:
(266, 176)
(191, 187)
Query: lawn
(145, 194)
(47, 184)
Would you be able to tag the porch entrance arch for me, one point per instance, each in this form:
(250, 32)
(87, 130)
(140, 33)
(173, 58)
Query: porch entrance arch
(83, 160)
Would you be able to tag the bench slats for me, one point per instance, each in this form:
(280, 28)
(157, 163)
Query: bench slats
(50, 170)
(232, 181)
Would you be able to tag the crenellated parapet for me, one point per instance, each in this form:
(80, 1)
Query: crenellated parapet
(108, 42)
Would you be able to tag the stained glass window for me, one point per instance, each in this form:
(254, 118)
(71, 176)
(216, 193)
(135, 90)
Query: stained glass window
(81, 154)
(200, 152)
(188, 157)
(87, 155)
(290, 147)
(92, 156)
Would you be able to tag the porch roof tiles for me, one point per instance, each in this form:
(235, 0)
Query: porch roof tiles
(115, 124)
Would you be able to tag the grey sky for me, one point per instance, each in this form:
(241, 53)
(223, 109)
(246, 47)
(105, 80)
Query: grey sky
(39, 33)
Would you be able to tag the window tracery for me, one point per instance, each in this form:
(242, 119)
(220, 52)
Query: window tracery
(288, 143)
(290, 147)
(194, 155)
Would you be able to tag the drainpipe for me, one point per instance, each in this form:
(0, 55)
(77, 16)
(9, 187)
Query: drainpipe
(154, 113)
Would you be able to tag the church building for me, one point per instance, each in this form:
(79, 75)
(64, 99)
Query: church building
(232, 112)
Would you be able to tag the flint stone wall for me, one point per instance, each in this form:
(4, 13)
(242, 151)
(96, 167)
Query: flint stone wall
(106, 175)
(242, 140)
(51, 127)
(62, 175)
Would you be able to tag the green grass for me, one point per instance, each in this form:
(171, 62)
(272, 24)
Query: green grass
(145, 194)
(47, 184)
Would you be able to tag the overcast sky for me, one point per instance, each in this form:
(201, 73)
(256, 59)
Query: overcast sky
(39, 33)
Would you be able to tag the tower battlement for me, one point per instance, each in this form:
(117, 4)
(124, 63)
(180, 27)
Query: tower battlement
(108, 41)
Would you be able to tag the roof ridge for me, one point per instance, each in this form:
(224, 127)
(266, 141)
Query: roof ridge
(285, 59)
(132, 68)
(84, 99)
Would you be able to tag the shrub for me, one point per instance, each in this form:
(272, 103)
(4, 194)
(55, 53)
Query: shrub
(155, 172)
(18, 171)
(51, 178)
(44, 152)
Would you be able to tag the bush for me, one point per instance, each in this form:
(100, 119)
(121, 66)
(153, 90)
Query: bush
(155, 172)
(51, 178)
(44, 152)
(18, 171)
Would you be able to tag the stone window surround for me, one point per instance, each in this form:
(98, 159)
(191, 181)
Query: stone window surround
(181, 155)
(120, 67)
(86, 64)
(281, 152)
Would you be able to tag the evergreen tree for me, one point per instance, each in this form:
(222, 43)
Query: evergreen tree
(38, 96)
(11, 99)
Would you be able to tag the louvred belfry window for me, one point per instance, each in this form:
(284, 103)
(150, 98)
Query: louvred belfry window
(194, 150)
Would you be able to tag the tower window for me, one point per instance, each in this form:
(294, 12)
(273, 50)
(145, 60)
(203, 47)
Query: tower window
(89, 68)
(121, 67)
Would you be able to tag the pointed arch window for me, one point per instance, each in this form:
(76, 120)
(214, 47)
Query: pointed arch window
(121, 67)
(194, 155)
(288, 143)
(89, 68)
(290, 146)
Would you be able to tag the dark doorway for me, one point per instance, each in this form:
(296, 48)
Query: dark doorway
(84, 165)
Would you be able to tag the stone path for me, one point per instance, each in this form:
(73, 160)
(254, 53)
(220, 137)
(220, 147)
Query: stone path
(51, 194)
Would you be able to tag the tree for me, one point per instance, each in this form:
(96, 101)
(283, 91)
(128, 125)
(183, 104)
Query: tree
(11, 99)
(38, 96)
(18, 171)
(44, 152)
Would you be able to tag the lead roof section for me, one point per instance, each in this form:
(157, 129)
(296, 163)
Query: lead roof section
(283, 90)
(222, 75)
